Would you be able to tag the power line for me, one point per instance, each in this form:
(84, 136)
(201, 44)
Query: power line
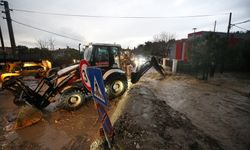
(117, 17)
(46, 31)
(239, 27)
(241, 22)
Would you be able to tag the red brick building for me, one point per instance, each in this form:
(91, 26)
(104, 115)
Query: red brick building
(180, 49)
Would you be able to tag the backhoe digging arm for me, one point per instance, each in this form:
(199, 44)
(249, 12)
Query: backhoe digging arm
(135, 76)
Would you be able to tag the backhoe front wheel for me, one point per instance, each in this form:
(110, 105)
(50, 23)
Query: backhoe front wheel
(115, 86)
(72, 99)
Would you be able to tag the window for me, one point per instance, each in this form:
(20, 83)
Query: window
(114, 51)
(36, 68)
(102, 54)
(33, 68)
(18, 68)
(102, 57)
(115, 57)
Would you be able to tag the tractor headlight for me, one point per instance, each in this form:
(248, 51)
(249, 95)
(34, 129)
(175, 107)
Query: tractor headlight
(140, 61)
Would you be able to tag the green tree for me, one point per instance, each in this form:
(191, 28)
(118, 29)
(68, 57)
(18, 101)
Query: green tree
(205, 54)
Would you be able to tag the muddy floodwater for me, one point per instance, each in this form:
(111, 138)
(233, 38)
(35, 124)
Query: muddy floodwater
(218, 109)
(56, 130)
(59, 129)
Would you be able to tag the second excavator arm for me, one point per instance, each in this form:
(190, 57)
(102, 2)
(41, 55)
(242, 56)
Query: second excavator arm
(140, 71)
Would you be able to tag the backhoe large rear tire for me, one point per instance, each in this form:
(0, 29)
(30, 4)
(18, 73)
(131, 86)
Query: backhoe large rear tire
(116, 85)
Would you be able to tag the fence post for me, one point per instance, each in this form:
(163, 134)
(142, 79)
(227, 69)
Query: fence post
(174, 66)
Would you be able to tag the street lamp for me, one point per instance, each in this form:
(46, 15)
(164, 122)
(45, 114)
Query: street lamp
(194, 29)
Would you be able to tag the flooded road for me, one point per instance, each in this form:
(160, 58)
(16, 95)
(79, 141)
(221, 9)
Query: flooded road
(220, 106)
(57, 130)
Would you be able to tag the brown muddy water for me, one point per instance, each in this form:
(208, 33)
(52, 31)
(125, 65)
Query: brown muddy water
(220, 107)
(57, 130)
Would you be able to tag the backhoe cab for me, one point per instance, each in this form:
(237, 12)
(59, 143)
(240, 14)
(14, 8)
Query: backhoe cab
(108, 58)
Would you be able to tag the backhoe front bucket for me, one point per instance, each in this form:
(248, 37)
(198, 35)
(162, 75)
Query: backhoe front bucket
(27, 116)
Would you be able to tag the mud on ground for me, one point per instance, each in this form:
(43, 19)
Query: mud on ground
(149, 123)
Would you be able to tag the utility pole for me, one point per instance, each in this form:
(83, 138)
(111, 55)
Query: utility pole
(9, 23)
(227, 45)
(2, 43)
(229, 24)
(214, 25)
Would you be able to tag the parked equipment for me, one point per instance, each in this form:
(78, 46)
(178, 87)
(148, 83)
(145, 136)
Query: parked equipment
(46, 89)
(16, 69)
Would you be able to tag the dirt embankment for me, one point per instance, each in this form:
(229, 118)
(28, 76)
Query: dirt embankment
(149, 123)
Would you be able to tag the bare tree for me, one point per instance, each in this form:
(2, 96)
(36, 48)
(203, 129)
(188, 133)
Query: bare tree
(52, 43)
(42, 43)
(164, 37)
(48, 44)
(165, 40)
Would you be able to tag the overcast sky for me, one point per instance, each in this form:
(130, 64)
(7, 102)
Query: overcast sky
(127, 32)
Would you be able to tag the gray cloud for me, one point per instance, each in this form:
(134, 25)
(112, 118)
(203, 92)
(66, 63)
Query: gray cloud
(128, 32)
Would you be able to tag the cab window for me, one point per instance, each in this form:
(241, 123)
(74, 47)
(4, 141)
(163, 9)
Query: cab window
(102, 54)
(102, 57)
